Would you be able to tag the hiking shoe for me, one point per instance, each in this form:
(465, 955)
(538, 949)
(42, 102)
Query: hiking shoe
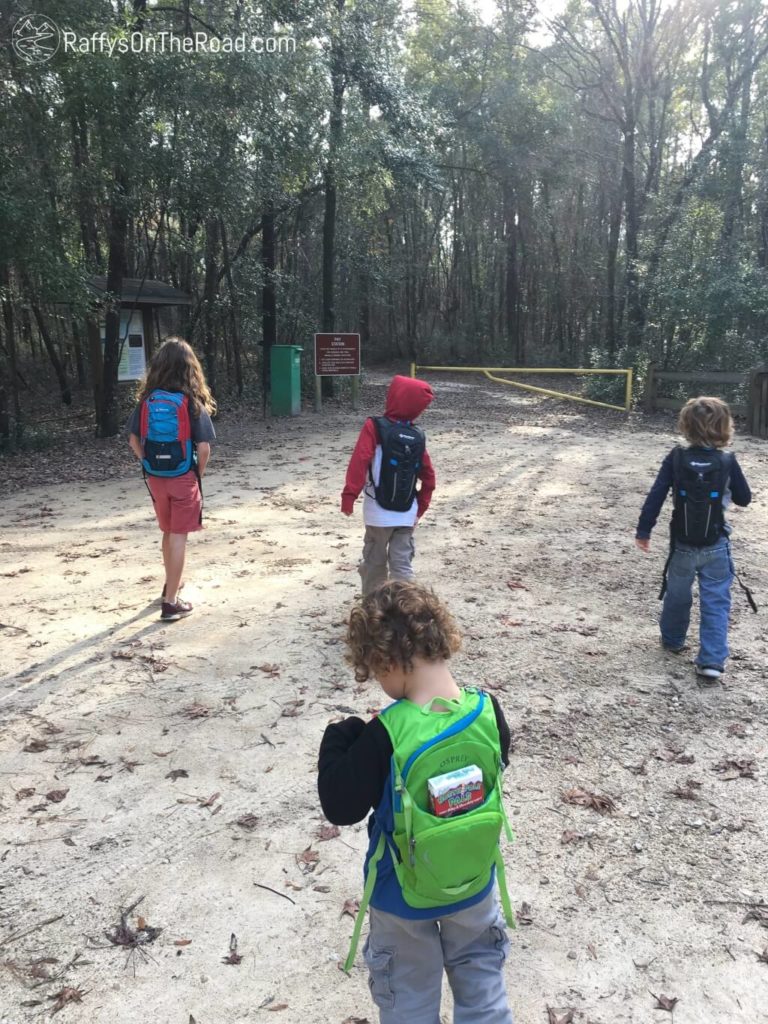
(162, 595)
(674, 650)
(172, 612)
(709, 672)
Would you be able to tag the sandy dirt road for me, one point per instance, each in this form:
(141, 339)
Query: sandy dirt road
(186, 754)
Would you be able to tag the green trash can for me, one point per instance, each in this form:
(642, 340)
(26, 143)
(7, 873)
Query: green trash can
(286, 380)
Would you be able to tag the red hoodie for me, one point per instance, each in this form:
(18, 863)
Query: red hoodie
(407, 398)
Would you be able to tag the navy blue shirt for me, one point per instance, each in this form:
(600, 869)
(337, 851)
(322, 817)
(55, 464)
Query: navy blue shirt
(737, 490)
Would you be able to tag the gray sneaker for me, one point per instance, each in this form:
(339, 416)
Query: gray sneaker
(709, 672)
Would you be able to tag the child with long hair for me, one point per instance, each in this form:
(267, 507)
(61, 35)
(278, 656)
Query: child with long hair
(170, 433)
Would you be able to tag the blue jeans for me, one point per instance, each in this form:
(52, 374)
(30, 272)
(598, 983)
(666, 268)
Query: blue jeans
(714, 569)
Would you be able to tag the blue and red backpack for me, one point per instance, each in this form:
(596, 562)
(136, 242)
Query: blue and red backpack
(166, 434)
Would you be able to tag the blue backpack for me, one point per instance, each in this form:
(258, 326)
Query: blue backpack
(166, 434)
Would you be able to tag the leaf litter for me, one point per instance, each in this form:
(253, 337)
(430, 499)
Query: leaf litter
(584, 798)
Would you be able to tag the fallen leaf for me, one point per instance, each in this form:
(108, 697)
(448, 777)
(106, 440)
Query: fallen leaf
(25, 794)
(248, 822)
(735, 769)
(524, 915)
(55, 796)
(93, 761)
(182, 942)
(269, 670)
(234, 958)
(584, 798)
(277, 1006)
(320, 888)
(759, 914)
(307, 860)
(350, 907)
(672, 754)
(684, 793)
(560, 1016)
(65, 996)
(569, 836)
(665, 1002)
(196, 710)
(516, 585)
(292, 709)
(355, 1020)
(37, 746)
(177, 773)
(326, 832)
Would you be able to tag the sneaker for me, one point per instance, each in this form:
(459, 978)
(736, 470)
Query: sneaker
(162, 595)
(172, 612)
(710, 672)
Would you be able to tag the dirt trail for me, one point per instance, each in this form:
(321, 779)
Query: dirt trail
(530, 541)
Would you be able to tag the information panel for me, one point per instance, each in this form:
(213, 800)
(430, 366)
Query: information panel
(337, 355)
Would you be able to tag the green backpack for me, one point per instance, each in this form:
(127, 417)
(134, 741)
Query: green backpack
(440, 861)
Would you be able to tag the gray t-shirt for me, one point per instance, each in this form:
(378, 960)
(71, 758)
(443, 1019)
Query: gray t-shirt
(201, 426)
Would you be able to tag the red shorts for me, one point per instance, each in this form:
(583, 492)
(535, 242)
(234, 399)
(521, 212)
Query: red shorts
(178, 502)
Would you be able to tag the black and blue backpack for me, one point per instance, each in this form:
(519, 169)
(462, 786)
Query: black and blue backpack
(700, 479)
(166, 434)
(402, 451)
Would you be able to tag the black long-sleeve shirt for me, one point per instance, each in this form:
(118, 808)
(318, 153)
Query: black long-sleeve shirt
(354, 765)
(737, 490)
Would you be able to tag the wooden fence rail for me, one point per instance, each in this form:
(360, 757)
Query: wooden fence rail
(755, 411)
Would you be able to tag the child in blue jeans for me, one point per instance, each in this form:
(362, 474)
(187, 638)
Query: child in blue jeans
(704, 480)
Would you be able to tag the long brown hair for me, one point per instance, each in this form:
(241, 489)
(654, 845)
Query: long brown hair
(175, 367)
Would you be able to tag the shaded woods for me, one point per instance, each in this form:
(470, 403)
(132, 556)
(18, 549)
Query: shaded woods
(588, 191)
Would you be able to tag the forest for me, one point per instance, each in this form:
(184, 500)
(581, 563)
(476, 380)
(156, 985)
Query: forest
(522, 185)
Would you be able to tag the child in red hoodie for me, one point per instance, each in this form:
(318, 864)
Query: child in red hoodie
(389, 458)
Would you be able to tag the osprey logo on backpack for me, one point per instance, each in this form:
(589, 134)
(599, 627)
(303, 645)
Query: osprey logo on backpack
(699, 485)
(166, 434)
(402, 450)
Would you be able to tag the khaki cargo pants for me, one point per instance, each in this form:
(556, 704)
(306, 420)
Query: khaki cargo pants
(387, 552)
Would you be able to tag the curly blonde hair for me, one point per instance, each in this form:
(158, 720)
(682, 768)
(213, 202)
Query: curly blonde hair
(706, 422)
(175, 367)
(396, 623)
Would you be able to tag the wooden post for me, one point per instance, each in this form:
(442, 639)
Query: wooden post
(149, 332)
(355, 393)
(649, 398)
(318, 393)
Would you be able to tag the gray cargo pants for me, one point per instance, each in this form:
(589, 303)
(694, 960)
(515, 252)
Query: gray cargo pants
(387, 551)
(405, 960)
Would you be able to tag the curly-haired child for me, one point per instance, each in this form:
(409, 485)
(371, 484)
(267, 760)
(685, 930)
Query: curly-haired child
(403, 636)
(704, 480)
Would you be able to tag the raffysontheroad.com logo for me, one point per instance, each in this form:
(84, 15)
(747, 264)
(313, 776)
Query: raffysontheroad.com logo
(35, 38)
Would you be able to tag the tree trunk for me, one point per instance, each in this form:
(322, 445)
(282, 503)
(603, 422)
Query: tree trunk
(209, 301)
(268, 300)
(48, 342)
(118, 226)
(330, 177)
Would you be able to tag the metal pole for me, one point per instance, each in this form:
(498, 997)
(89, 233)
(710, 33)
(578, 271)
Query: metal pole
(413, 369)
